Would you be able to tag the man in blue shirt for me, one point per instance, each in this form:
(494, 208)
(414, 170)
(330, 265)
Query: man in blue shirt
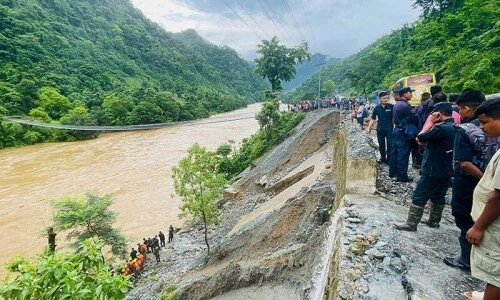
(402, 115)
(437, 168)
(383, 112)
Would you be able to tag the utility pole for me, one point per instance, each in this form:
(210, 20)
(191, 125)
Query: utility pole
(319, 80)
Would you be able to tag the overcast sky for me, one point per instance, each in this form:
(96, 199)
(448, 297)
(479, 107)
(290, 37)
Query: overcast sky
(334, 27)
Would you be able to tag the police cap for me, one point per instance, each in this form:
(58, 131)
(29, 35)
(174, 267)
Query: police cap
(405, 90)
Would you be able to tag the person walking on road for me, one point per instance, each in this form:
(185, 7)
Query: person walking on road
(383, 112)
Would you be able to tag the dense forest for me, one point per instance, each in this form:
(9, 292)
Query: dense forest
(457, 40)
(103, 63)
(307, 69)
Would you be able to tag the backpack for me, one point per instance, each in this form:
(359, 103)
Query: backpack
(365, 112)
(483, 147)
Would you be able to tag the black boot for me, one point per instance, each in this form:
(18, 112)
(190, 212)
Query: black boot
(435, 215)
(462, 261)
(414, 216)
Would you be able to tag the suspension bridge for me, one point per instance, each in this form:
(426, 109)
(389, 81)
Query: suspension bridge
(221, 119)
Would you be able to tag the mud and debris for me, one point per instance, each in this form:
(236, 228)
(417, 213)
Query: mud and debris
(273, 219)
(379, 262)
(279, 233)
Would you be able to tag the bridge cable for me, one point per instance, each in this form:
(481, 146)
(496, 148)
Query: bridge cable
(285, 37)
(294, 20)
(276, 17)
(236, 13)
(121, 128)
(309, 23)
(253, 19)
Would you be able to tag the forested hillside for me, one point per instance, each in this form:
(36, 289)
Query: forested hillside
(459, 41)
(103, 63)
(307, 69)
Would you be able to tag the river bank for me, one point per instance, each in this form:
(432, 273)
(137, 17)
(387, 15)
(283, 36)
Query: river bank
(274, 218)
(134, 167)
(283, 238)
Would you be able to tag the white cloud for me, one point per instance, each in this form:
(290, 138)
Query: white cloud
(341, 27)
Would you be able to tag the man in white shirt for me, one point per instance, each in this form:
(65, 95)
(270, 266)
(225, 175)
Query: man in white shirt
(485, 234)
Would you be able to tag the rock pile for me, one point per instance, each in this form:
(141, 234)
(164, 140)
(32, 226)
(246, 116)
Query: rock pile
(273, 222)
(367, 255)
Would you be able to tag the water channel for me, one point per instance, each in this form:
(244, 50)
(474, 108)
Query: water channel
(133, 167)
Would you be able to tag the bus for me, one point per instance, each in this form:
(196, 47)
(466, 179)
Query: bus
(421, 83)
(373, 97)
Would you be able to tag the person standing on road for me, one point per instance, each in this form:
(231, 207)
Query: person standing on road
(437, 168)
(466, 175)
(485, 233)
(162, 239)
(133, 254)
(402, 116)
(383, 112)
(359, 112)
(170, 234)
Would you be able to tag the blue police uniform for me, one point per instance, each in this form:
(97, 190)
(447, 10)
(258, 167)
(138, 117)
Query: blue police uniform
(400, 153)
(437, 164)
(463, 186)
(384, 129)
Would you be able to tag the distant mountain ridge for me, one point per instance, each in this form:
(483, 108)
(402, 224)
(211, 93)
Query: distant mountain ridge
(307, 69)
(92, 62)
(470, 30)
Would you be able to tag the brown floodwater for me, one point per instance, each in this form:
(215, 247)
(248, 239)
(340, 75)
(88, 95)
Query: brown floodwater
(134, 167)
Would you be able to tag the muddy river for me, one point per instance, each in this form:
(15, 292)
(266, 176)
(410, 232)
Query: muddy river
(133, 167)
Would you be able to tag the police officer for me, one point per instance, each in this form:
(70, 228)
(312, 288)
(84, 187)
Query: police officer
(437, 168)
(402, 115)
(469, 166)
(383, 112)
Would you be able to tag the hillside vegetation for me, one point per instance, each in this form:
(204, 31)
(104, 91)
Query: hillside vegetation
(103, 63)
(459, 43)
(307, 69)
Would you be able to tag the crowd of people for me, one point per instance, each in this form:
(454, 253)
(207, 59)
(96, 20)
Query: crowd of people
(135, 262)
(454, 142)
(337, 102)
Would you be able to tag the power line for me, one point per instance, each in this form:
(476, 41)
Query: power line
(294, 20)
(244, 9)
(319, 80)
(309, 23)
(236, 13)
(285, 38)
(276, 17)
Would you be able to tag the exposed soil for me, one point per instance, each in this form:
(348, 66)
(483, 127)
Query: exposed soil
(271, 232)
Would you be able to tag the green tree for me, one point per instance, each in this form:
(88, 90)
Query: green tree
(327, 87)
(40, 115)
(147, 113)
(79, 116)
(79, 275)
(116, 109)
(268, 116)
(277, 62)
(52, 102)
(199, 184)
(437, 7)
(87, 218)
